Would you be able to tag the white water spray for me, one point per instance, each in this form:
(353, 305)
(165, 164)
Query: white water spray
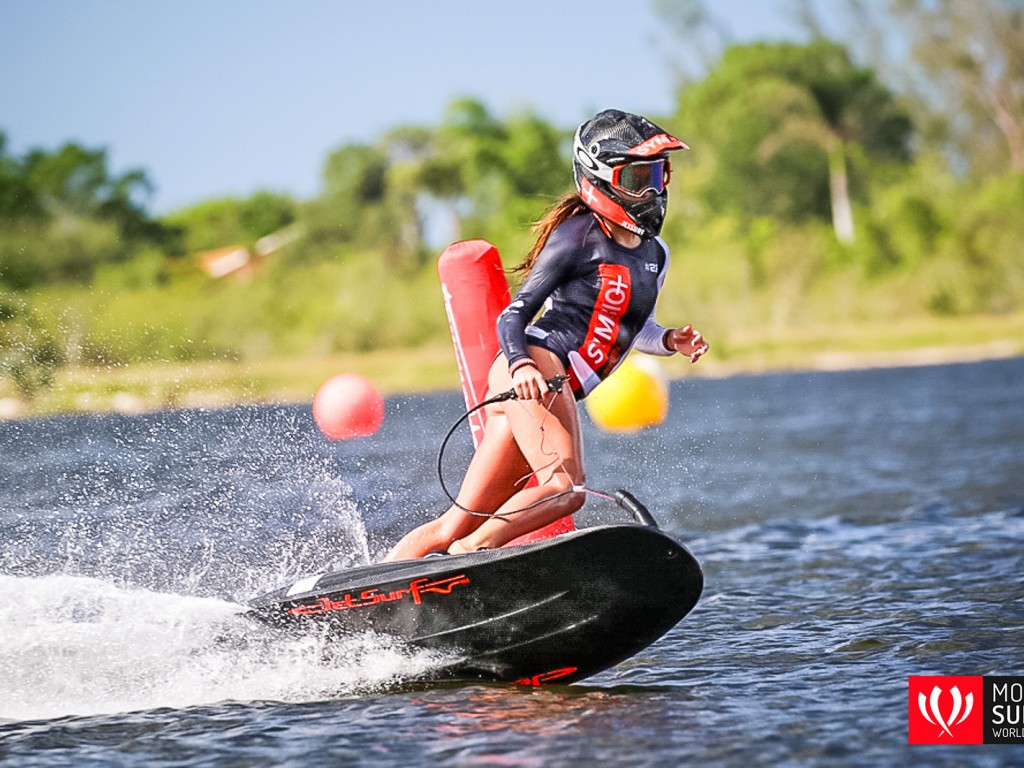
(80, 646)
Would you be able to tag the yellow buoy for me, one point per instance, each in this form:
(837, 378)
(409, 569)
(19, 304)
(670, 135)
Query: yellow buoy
(633, 397)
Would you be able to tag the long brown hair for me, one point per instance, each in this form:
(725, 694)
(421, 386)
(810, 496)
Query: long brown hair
(568, 206)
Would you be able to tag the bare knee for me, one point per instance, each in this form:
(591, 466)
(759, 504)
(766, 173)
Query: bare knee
(454, 525)
(570, 499)
(575, 500)
(568, 489)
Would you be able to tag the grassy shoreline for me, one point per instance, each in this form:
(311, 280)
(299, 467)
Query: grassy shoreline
(214, 384)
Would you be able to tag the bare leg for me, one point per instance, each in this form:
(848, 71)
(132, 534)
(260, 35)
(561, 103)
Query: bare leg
(494, 472)
(548, 435)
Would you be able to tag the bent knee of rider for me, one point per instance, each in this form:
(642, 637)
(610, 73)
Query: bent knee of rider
(448, 530)
(566, 480)
(574, 501)
(568, 491)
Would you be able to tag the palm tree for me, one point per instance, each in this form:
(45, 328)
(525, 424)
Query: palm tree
(804, 121)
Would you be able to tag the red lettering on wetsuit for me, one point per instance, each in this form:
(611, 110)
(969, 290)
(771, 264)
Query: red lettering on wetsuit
(612, 302)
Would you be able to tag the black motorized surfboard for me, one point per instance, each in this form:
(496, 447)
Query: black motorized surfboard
(557, 610)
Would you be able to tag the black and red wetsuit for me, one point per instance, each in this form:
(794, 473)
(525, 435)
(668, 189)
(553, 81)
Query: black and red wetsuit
(599, 298)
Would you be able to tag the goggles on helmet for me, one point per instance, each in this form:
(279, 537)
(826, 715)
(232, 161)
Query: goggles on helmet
(638, 178)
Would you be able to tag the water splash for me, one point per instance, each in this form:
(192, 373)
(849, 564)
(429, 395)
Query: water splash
(81, 646)
(218, 505)
(130, 543)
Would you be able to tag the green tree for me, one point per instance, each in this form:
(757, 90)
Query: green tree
(462, 162)
(782, 121)
(266, 212)
(535, 156)
(17, 198)
(232, 221)
(496, 176)
(76, 181)
(473, 174)
(369, 198)
(356, 174)
(210, 224)
(63, 215)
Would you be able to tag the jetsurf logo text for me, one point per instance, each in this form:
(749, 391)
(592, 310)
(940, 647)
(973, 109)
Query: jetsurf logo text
(374, 596)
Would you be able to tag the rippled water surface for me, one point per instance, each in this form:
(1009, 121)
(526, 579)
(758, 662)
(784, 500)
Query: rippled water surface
(855, 528)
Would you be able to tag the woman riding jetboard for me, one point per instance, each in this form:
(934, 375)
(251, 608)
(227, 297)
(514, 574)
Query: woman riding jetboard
(596, 267)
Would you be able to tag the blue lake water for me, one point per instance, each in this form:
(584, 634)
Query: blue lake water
(855, 528)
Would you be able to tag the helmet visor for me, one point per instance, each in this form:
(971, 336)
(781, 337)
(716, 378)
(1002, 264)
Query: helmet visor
(638, 178)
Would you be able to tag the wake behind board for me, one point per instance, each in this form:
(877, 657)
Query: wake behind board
(557, 610)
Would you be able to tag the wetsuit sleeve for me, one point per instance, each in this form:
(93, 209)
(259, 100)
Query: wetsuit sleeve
(553, 266)
(651, 338)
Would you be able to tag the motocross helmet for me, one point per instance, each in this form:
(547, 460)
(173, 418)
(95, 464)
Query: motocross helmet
(621, 168)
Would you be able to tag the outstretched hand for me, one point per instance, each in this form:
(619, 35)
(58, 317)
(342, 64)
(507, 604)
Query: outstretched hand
(688, 341)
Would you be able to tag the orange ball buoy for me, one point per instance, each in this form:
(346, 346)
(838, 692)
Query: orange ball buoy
(348, 405)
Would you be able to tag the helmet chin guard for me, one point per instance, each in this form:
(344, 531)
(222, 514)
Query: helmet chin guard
(602, 148)
(605, 206)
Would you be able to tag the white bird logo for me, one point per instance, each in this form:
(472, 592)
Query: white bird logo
(932, 703)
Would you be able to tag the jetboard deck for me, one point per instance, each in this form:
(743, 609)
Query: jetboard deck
(553, 611)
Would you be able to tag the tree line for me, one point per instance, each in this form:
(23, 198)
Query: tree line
(818, 169)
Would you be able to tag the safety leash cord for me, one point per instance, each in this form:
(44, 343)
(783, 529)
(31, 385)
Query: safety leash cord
(554, 384)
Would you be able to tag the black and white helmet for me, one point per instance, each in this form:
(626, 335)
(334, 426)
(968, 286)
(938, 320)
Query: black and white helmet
(621, 167)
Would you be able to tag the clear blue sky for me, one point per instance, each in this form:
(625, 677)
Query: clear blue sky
(227, 97)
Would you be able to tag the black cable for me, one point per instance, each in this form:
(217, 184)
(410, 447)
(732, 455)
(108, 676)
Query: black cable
(554, 385)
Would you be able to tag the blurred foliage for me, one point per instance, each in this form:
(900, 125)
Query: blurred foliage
(814, 194)
(63, 215)
(785, 125)
(218, 223)
(28, 354)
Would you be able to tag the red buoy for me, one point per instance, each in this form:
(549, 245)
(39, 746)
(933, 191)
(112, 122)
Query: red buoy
(348, 405)
(475, 292)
